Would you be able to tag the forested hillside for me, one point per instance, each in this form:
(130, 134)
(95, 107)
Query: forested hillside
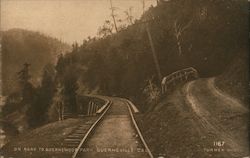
(206, 35)
(47, 81)
(210, 36)
(22, 46)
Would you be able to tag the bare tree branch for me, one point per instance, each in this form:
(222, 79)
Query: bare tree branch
(113, 15)
(178, 32)
(129, 15)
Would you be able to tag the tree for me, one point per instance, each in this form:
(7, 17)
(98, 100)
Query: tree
(37, 113)
(70, 88)
(152, 93)
(178, 32)
(113, 15)
(129, 17)
(106, 29)
(24, 75)
(56, 110)
(47, 89)
(60, 68)
(75, 47)
(27, 88)
(67, 77)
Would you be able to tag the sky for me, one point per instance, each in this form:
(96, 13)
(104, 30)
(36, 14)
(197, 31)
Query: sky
(67, 20)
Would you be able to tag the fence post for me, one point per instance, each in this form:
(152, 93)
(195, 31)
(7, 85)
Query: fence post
(88, 109)
(92, 105)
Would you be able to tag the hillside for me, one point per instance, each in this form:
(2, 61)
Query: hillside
(201, 113)
(206, 35)
(189, 121)
(23, 46)
(235, 80)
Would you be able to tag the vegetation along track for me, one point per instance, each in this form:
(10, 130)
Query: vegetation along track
(115, 134)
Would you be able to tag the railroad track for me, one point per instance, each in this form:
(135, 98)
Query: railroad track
(108, 123)
(129, 104)
(79, 136)
(73, 140)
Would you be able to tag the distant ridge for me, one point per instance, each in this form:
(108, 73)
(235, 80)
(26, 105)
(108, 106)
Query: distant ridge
(20, 46)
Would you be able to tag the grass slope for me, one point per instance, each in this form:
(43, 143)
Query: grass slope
(48, 136)
(173, 129)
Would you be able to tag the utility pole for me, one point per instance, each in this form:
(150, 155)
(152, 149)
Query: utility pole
(157, 2)
(143, 6)
(157, 66)
(113, 15)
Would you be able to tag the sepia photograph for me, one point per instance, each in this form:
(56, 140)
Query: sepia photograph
(124, 78)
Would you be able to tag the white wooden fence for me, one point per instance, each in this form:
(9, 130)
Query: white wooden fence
(177, 77)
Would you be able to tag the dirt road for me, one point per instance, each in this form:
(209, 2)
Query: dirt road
(221, 116)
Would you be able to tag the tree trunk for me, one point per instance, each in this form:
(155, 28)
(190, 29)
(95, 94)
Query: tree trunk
(179, 47)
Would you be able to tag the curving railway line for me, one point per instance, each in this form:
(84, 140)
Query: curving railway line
(114, 134)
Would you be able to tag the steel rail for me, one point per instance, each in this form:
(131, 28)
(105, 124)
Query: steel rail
(137, 129)
(102, 108)
(108, 102)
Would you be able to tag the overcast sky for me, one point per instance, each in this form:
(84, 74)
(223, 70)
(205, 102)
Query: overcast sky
(68, 20)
